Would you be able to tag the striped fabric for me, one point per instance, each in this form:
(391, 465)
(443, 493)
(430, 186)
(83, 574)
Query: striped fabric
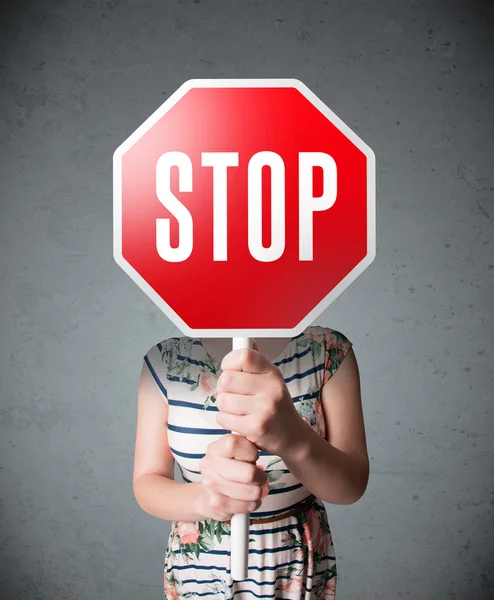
(290, 558)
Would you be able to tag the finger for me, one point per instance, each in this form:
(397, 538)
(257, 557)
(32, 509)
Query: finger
(237, 490)
(239, 472)
(230, 506)
(239, 382)
(235, 404)
(237, 423)
(220, 504)
(245, 359)
(232, 445)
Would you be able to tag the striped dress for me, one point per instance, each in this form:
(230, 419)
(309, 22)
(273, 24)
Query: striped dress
(291, 558)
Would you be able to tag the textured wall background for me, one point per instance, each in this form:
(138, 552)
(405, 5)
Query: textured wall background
(413, 78)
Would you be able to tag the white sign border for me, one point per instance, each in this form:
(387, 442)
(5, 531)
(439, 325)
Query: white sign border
(246, 83)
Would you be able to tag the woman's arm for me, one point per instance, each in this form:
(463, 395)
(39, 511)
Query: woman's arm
(155, 489)
(336, 470)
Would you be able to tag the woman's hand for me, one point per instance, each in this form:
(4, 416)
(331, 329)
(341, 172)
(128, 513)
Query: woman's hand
(231, 481)
(254, 401)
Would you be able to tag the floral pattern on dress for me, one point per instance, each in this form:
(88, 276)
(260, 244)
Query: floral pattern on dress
(189, 537)
(309, 545)
(336, 348)
(274, 475)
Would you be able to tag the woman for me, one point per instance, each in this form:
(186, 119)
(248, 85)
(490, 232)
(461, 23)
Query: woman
(297, 409)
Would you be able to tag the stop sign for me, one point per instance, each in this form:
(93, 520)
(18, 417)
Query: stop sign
(243, 207)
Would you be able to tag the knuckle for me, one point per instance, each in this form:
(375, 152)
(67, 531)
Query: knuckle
(225, 379)
(216, 501)
(246, 356)
(248, 445)
(251, 506)
(256, 493)
(231, 443)
(211, 450)
(250, 473)
(266, 415)
(212, 484)
(262, 427)
(279, 387)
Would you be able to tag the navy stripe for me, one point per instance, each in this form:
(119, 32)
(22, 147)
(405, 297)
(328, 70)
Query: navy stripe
(196, 430)
(182, 379)
(184, 404)
(293, 357)
(284, 360)
(251, 551)
(253, 568)
(188, 455)
(197, 595)
(190, 471)
(274, 530)
(191, 361)
(271, 492)
(199, 472)
(285, 489)
(227, 570)
(305, 373)
(270, 513)
(156, 378)
(249, 580)
(212, 407)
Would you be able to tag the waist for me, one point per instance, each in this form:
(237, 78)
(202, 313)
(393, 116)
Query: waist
(299, 507)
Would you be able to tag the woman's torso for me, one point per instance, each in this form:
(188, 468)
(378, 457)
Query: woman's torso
(189, 375)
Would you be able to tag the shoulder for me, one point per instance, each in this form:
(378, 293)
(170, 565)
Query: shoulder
(331, 338)
(332, 347)
(171, 344)
(162, 354)
(337, 340)
(337, 347)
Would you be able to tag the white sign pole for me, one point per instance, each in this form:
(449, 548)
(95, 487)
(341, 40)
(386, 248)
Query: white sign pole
(239, 529)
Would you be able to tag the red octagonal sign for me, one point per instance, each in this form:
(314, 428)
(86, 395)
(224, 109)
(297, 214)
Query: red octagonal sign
(244, 207)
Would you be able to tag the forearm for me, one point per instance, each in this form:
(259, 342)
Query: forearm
(329, 473)
(168, 499)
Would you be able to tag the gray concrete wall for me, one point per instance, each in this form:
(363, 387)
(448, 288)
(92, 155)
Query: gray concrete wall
(413, 78)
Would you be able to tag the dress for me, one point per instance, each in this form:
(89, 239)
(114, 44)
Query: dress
(291, 558)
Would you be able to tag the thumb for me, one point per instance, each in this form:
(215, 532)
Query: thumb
(254, 345)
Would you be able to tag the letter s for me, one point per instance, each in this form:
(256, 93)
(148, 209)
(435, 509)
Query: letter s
(173, 204)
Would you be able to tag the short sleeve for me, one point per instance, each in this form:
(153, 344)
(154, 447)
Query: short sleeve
(337, 347)
(157, 367)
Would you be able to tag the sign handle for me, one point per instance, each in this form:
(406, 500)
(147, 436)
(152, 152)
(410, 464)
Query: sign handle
(239, 525)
